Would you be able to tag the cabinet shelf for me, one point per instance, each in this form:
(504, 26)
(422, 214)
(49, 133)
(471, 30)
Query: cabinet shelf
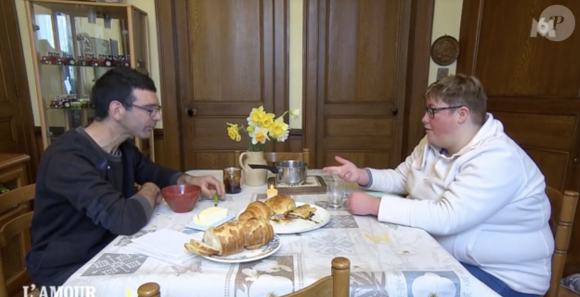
(79, 65)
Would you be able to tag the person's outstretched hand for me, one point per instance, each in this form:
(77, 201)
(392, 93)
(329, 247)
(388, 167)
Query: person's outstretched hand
(359, 203)
(347, 171)
(207, 183)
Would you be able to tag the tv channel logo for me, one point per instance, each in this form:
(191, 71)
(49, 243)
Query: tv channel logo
(556, 23)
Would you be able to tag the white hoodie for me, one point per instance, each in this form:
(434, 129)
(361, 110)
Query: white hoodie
(486, 205)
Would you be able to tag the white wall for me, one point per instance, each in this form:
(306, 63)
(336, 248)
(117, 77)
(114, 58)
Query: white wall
(295, 60)
(446, 21)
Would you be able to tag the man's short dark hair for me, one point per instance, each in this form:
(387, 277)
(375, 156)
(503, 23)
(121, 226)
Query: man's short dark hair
(118, 85)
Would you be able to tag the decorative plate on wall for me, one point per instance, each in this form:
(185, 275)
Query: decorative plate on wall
(445, 50)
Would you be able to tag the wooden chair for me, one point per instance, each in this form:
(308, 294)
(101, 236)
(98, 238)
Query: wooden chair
(561, 221)
(281, 156)
(16, 226)
(15, 218)
(273, 157)
(335, 285)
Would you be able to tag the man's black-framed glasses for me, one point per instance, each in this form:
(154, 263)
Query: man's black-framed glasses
(431, 111)
(152, 110)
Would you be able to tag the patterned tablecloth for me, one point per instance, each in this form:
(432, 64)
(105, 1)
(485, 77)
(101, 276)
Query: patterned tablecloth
(386, 260)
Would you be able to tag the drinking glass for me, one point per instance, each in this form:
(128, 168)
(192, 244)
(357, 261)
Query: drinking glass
(232, 176)
(335, 192)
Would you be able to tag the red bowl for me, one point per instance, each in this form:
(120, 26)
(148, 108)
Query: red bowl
(181, 198)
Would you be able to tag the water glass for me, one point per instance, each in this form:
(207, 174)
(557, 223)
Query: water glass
(335, 192)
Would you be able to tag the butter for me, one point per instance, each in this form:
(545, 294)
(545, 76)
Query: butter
(210, 216)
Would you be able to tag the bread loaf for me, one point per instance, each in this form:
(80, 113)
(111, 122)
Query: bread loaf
(232, 237)
(256, 209)
(258, 232)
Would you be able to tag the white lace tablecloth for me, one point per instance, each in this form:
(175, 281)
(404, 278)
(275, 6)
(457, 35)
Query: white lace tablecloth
(386, 260)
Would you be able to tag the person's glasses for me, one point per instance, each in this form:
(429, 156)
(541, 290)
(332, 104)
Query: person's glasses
(431, 111)
(152, 110)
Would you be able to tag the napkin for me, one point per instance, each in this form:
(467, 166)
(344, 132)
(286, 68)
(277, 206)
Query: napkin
(165, 245)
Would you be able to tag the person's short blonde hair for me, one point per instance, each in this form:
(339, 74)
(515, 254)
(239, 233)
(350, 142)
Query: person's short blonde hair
(461, 90)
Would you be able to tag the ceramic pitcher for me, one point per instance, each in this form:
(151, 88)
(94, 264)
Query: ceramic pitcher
(253, 177)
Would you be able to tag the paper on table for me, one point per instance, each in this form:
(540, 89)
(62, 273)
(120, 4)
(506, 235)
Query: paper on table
(164, 242)
(135, 248)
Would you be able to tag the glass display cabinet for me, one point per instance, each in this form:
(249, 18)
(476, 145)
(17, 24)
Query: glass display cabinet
(73, 44)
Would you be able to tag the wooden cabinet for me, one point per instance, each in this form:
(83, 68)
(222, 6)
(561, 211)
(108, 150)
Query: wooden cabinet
(73, 44)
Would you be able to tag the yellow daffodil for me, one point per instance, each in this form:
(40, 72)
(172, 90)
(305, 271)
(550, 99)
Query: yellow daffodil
(267, 120)
(279, 130)
(256, 116)
(233, 132)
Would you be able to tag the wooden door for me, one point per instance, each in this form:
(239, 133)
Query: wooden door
(231, 59)
(356, 60)
(16, 126)
(532, 83)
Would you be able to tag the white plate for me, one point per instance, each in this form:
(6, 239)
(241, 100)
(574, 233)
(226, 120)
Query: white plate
(192, 225)
(321, 217)
(250, 255)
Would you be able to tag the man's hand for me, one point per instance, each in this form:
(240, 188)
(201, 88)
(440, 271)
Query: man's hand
(359, 203)
(348, 171)
(151, 192)
(206, 183)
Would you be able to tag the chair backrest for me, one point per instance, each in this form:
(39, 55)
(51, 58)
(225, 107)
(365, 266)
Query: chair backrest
(273, 157)
(17, 226)
(15, 219)
(335, 285)
(281, 156)
(18, 196)
(561, 221)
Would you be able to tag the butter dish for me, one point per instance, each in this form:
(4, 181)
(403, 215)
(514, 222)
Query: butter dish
(193, 225)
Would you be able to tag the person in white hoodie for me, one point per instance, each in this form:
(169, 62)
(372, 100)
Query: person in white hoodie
(471, 187)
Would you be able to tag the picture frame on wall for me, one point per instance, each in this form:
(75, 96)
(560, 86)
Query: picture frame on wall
(442, 72)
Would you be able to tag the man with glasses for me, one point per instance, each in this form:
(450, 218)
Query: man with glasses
(471, 187)
(85, 186)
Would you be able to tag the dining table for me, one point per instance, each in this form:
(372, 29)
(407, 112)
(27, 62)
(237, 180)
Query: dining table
(385, 259)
